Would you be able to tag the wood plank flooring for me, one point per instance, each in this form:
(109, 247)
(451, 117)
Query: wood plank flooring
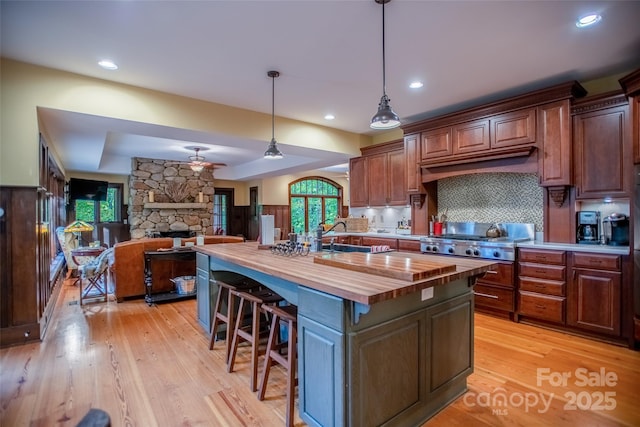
(150, 366)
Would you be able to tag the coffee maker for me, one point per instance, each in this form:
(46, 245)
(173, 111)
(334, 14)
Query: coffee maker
(616, 229)
(588, 227)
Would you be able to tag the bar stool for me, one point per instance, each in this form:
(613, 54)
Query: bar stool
(250, 333)
(240, 284)
(288, 314)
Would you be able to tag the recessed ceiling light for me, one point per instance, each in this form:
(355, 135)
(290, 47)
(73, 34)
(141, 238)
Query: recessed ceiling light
(416, 85)
(587, 20)
(108, 65)
(329, 117)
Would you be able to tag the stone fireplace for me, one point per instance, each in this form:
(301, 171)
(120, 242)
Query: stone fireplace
(166, 196)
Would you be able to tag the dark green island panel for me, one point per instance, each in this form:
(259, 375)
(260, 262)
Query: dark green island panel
(393, 362)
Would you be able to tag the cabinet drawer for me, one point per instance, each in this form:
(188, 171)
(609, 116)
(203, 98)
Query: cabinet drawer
(408, 245)
(543, 256)
(541, 306)
(502, 275)
(597, 261)
(541, 271)
(493, 297)
(542, 286)
(374, 241)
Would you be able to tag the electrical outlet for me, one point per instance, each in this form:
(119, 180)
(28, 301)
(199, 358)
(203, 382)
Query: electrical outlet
(427, 293)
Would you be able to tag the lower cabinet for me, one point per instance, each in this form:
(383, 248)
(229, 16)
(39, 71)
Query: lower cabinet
(203, 291)
(595, 293)
(542, 285)
(379, 241)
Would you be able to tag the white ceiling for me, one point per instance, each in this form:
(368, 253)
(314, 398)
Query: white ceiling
(329, 54)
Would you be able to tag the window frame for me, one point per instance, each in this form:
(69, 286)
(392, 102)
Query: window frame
(323, 197)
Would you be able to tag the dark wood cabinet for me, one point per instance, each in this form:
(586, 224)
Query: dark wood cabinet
(436, 143)
(408, 245)
(513, 128)
(380, 241)
(387, 179)
(378, 177)
(595, 293)
(542, 284)
(555, 163)
(601, 150)
(413, 181)
(358, 182)
(471, 137)
(495, 290)
(631, 86)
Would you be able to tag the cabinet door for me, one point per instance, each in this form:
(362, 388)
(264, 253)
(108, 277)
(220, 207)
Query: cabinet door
(436, 143)
(203, 291)
(601, 153)
(378, 180)
(515, 128)
(411, 159)
(555, 165)
(471, 137)
(358, 182)
(397, 195)
(594, 301)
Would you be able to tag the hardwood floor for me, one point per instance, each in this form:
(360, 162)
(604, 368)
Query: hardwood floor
(150, 366)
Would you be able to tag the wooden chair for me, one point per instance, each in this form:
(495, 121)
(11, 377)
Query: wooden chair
(226, 315)
(250, 333)
(289, 315)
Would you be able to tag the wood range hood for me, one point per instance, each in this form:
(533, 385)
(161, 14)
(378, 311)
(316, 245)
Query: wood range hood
(512, 135)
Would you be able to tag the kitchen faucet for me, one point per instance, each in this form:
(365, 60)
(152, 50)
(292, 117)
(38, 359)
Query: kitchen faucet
(320, 231)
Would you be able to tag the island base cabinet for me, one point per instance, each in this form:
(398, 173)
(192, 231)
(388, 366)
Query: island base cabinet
(204, 291)
(427, 357)
(395, 363)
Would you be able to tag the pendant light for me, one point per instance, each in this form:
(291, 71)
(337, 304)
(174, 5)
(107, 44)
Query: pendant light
(272, 151)
(385, 118)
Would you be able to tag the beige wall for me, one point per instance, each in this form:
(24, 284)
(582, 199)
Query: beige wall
(25, 87)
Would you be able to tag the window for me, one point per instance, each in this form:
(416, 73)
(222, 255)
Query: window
(313, 200)
(106, 211)
(220, 213)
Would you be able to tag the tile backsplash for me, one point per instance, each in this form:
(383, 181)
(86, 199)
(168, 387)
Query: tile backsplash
(492, 197)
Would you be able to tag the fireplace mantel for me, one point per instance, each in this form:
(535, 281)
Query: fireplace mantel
(175, 206)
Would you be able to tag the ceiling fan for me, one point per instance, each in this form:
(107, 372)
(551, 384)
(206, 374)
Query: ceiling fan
(197, 163)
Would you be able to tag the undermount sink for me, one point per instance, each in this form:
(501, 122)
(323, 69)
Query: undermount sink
(343, 247)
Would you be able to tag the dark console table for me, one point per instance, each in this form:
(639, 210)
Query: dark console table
(172, 254)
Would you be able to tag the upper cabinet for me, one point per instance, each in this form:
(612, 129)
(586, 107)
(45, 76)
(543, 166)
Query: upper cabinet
(631, 86)
(412, 167)
(378, 177)
(554, 144)
(498, 135)
(601, 151)
(358, 182)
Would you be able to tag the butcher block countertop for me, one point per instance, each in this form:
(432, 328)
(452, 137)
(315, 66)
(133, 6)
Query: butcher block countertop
(349, 283)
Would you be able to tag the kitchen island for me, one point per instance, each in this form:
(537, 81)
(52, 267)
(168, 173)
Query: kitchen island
(373, 350)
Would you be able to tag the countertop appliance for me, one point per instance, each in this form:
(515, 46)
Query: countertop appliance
(588, 227)
(470, 239)
(616, 229)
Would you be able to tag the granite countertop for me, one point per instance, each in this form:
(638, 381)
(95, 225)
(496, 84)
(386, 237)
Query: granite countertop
(574, 247)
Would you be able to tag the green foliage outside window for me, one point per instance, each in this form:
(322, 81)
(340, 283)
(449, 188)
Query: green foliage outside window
(313, 200)
(86, 209)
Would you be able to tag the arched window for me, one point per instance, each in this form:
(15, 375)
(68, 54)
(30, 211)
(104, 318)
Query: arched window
(313, 200)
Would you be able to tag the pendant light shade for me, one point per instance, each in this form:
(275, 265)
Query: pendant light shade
(272, 151)
(385, 118)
